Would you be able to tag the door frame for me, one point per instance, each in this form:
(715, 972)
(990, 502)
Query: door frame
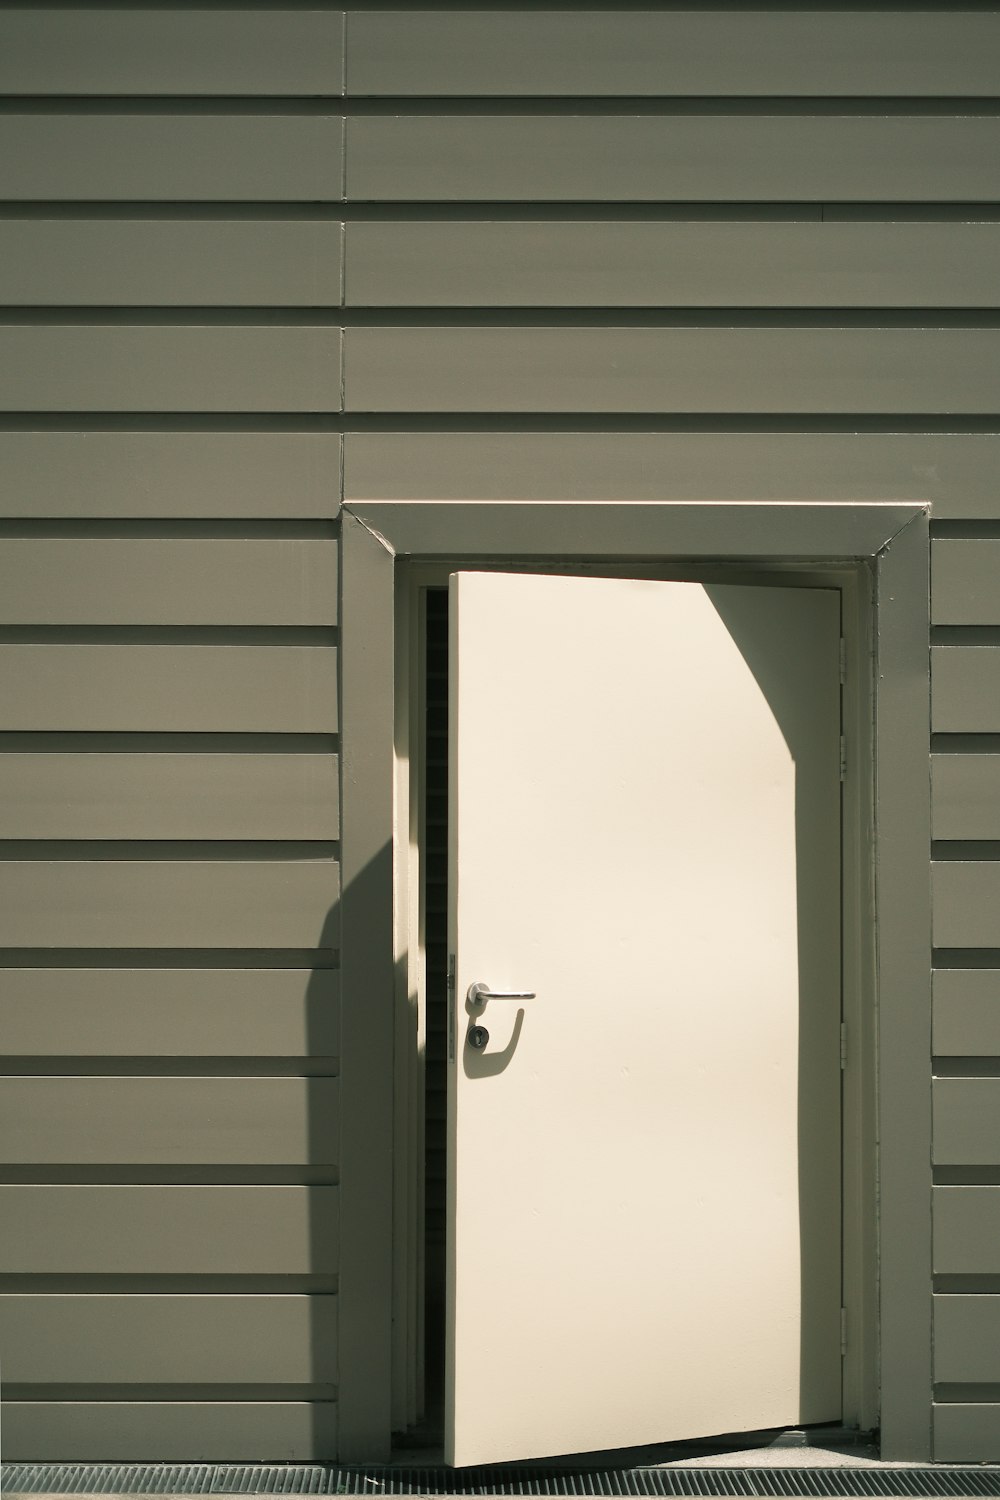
(886, 542)
(859, 1251)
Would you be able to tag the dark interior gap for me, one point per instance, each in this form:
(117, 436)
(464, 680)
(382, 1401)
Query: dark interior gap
(434, 897)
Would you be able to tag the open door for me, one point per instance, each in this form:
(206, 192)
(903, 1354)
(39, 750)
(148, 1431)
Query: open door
(644, 1152)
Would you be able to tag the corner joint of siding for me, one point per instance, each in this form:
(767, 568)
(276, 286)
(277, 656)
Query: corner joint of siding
(372, 530)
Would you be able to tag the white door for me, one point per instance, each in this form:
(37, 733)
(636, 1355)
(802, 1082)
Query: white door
(644, 1156)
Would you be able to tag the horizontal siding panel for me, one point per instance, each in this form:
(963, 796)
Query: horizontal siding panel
(967, 1012)
(168, 262)
(158, 368)
(966, 904)
(258, 1013)
(956, 472)
(167, 796)
(165, 581)
(966, 796)
(965, 689)
(691, 158)
(167, 1230)
(966, 1230)
(634, 264)
(168, 1340)
(117, 51)
(672, 369)
(198, 157)
(237, 689)
(622, 53)
(190, 475)
(967, 1131)
(169, 1431)
(168, 904)
(966, 1339)
(966, 1433)
(965, 582)
(218, 1122)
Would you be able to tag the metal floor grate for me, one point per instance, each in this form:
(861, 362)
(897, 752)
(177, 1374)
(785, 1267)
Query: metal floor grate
(321, 1479)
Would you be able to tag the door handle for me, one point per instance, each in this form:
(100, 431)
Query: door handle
(479, 993)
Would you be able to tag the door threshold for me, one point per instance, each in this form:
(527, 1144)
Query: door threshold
(779, 1448)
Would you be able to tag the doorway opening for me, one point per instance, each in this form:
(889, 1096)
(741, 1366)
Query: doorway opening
(422, 792)
(434, 899)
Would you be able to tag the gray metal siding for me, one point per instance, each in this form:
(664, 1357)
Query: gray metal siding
(178, 1231)
(799, 371)
(164, 581)
(170, 266)
(169, 795)
(203, 158)
(166, 1122)
(966, 1225)
(107, 50)
(286, 1015)
(169, 369)
(964, 697)
(770, 277)
(668, 264)
(785, 460)
(966, 793)
(175, 262)
(214, 471)
(966, 1012)
(165, 1340)
(696, 158)
(189, 688)
(750, 255)
(676, 53)
(176, 1429)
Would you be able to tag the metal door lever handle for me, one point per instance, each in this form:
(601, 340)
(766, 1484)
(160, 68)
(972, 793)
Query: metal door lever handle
(479, 994)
